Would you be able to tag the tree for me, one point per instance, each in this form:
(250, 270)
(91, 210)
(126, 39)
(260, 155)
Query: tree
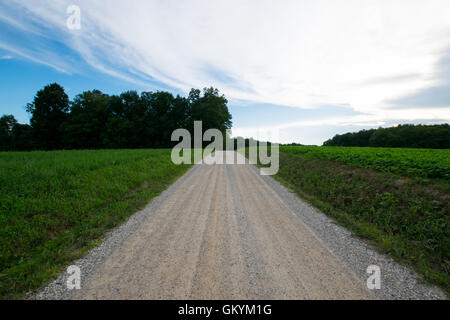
(126, 121)
(85, 126)
(22, 137)
(401, 136)
(7, 123)
(96, 120)
(162, 108)
(211, 108)
(49, 110)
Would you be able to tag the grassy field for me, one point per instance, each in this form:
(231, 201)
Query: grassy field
(54, 206)
(396, 198)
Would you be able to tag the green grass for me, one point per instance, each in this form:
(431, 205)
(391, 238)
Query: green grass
(54, 206)
(384, 195)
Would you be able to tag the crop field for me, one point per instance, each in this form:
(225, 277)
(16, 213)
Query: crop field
(398, 199)
(427, 163)
(54, 206)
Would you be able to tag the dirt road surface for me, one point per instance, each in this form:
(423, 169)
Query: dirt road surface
(221, 232)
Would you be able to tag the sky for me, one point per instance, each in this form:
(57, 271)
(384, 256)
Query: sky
(293, 71)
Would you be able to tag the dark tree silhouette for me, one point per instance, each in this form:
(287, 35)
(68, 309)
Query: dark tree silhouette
(402, 136)
(49, 110)
(22, 137)
(95, 120)
(211, 108)
(7, 123)
(86, 124)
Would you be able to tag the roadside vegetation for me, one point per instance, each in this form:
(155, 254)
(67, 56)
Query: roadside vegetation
(54, 206)
(425, 163)
(398, 199)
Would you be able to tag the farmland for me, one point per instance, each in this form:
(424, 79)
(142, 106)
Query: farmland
(396, 198)
(56, 205)
(426, 163)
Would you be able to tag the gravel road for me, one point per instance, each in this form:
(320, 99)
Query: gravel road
(225, 232)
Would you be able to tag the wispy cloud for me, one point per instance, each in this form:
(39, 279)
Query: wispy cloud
(354, 123)
(295, 53)
(29, 56)
(6, 57)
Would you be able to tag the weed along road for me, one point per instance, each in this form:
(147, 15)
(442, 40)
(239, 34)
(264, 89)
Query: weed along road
(226, 232)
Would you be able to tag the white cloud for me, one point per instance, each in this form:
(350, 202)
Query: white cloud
(60, 67)
(281, 132)
(294, 53)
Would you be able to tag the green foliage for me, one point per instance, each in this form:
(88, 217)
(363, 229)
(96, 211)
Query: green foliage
(211, 108)
(7, 123)
(86, 123)
(49, 110)
(21, 137)
(13, 135)
(426, 163)
(402, 136)
(55, 205)
(96, 120)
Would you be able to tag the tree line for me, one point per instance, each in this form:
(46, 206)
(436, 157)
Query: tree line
(95, 120)
(402, 136)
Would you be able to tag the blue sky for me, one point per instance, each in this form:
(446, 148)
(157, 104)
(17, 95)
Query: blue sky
(299, 71)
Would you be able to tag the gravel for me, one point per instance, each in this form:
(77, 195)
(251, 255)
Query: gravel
(397, 281)
(57, 289)
(240, 250)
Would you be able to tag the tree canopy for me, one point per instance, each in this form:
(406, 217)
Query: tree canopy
(95, 120)
(402, 136)
(49, 110)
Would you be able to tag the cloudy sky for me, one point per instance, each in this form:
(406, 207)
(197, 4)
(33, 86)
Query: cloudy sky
(304, 69)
